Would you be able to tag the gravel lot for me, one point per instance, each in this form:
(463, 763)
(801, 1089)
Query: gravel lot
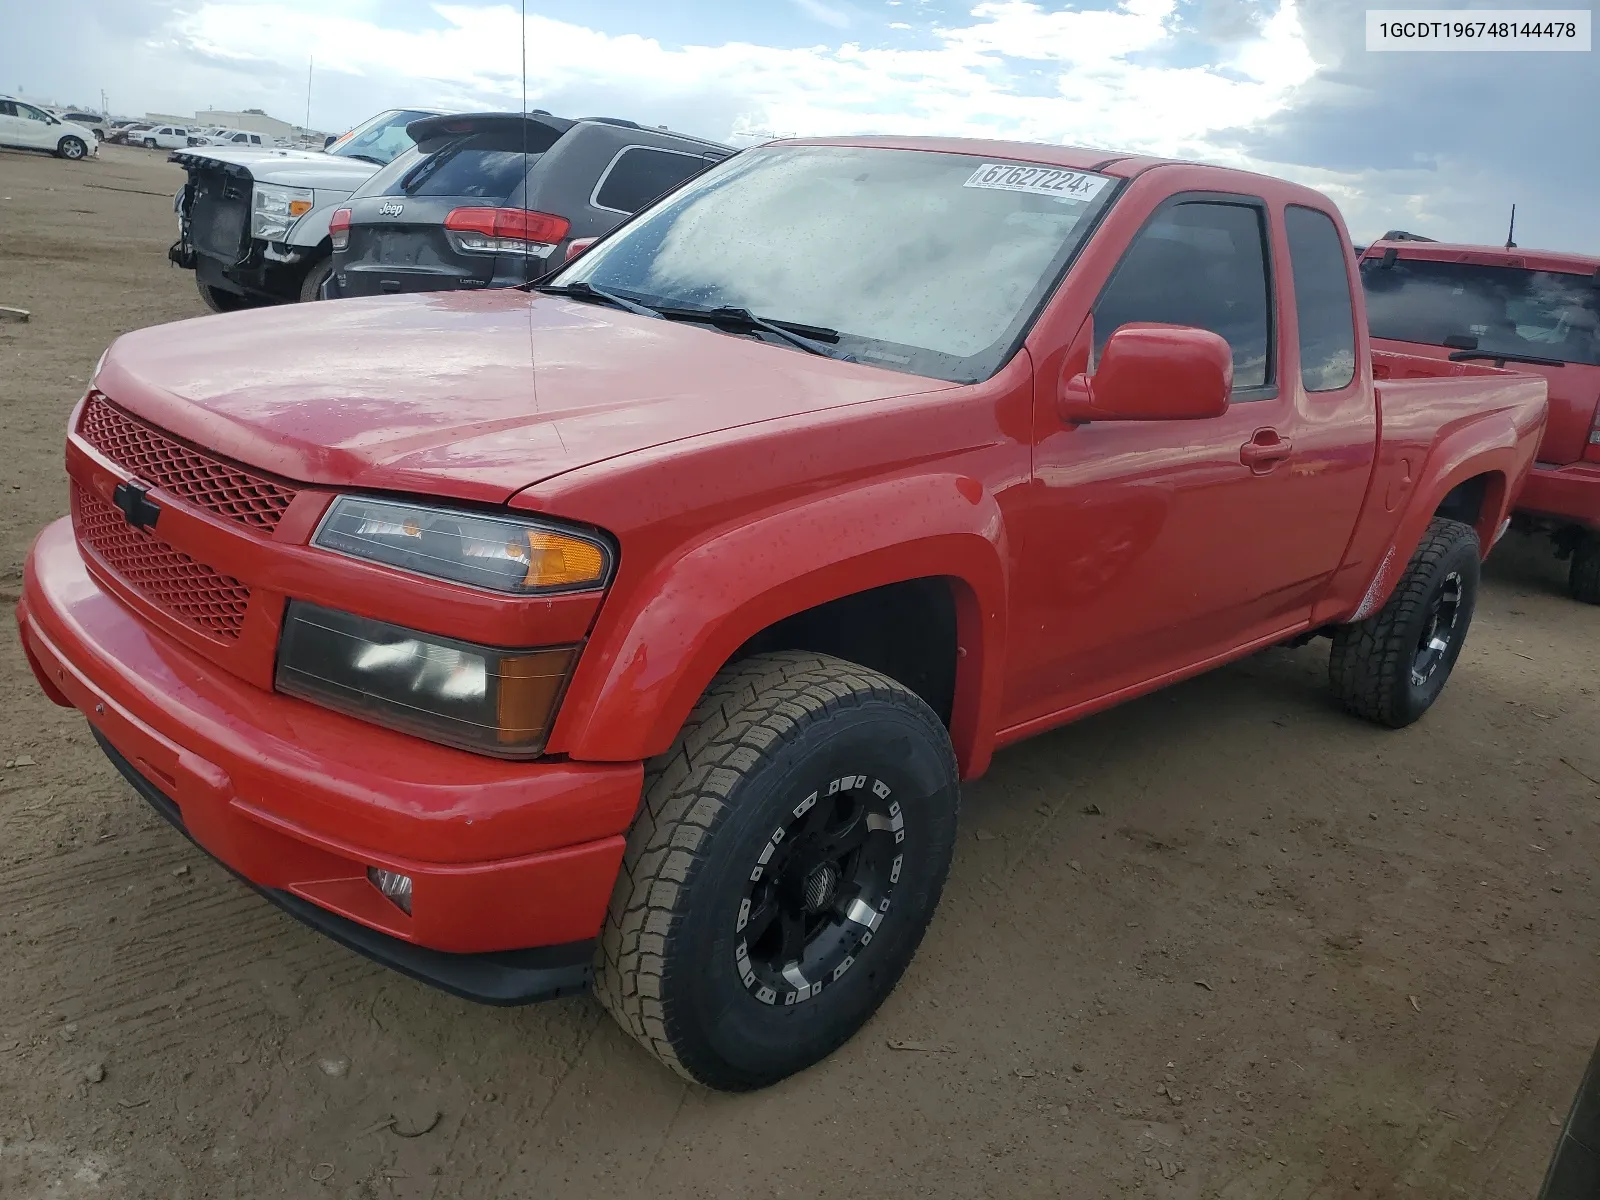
(1222, 942)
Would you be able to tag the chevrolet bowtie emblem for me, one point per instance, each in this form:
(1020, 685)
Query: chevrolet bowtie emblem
(133, 499)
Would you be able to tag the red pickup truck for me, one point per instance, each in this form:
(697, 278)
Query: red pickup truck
(1535, 311)
(640, 626)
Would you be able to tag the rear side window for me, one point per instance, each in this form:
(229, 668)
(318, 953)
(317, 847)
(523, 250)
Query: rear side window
(639, 175)
(1322, 298)
(1201, 264)
(1543, 314)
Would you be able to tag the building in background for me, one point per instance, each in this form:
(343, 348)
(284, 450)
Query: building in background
(251, 120)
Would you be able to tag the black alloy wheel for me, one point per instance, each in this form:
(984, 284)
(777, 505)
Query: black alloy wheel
(818, 890)
(1438, 630)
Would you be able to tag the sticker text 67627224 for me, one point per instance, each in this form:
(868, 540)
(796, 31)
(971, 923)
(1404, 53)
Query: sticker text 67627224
(1040, 181)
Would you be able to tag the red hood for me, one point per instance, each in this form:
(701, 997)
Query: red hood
(472, 395)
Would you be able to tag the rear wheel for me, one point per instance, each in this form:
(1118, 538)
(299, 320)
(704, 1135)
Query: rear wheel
(1584, 580)
(72, 148)
(1391, 667)
(788, 856)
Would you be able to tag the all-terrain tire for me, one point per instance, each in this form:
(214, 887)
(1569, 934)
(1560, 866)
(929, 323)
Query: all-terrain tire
(1380, 668)
(316, 275)
(774, 737)
(71, 148)
(1584, 579)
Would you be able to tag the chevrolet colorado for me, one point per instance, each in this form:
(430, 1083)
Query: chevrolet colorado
(636, 629)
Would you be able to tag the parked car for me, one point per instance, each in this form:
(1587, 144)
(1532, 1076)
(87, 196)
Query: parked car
(161, 137)
(493, 199)
(253, 223)
(91, 121)
(127, 133)
(641, 625)
(1537, 312)
(26, 126)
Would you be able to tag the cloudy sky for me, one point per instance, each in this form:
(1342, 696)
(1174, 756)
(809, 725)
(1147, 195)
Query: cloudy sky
(1437, 143)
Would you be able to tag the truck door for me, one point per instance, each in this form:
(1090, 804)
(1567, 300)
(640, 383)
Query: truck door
(1155, 547)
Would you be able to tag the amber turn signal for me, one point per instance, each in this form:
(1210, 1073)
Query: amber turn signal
(556, 561)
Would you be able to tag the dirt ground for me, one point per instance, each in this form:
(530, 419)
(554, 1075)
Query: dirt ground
(1223, 942)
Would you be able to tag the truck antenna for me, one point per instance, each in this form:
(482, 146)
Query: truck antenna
(527, 275)
(1511, 232)
(311, 62)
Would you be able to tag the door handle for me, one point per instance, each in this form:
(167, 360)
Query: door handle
(1262, 452)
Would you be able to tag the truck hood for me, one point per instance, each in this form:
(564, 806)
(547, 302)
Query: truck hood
(471, 395)
(295, 168)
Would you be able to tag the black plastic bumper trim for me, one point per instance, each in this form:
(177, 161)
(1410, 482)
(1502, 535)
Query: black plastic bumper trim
(504, 977)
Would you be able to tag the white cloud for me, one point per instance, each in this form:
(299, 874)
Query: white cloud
(967, 83)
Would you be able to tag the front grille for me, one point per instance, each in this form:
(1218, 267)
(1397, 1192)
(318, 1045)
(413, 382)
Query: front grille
(211, 602)
(184, 472)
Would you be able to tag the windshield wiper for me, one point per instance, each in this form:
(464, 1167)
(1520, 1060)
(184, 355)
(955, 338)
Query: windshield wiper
(587, 291)
(365, 158)
(1500, 356)
(804, 337)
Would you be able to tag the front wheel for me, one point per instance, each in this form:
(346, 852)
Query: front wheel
(150, 143)
(1391, 667)
(1584, 579)
(786, 861)
(72, 148)
(316, 276)
(220, 300)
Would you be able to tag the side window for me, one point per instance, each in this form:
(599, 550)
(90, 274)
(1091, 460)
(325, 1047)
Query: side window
(639, 174)
(1201, 264)
(7, 108)
(1322, 296)
(33, 114)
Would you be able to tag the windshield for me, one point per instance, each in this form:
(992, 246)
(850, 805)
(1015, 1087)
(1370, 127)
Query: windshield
(379, 139)
(1511, 310)
(928, 263)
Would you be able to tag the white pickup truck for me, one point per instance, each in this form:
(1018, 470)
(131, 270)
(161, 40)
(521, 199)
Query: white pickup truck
(253, 220)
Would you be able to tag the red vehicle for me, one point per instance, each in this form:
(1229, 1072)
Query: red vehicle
(1529, 309)
(641, 625)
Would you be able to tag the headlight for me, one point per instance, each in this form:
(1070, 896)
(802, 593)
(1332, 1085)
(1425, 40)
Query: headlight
(498, 702)
(503, 554)
(275, 208)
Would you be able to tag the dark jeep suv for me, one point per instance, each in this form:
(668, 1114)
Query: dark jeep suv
(494, 199)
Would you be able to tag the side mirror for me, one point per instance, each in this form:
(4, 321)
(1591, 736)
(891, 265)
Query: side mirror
(578, 245)
(329, 140)
(1152, 373)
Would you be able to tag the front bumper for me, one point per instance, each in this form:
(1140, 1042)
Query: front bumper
(1570, 493)
(300, 801)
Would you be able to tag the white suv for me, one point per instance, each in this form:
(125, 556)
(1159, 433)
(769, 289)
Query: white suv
(31, 128)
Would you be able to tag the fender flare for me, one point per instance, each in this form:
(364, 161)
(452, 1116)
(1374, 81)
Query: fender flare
(1481, 448)
(657, 645)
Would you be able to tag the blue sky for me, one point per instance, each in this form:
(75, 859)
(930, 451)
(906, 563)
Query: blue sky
(1437, 143)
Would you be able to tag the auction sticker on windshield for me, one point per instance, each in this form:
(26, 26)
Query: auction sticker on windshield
(1041, 181)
